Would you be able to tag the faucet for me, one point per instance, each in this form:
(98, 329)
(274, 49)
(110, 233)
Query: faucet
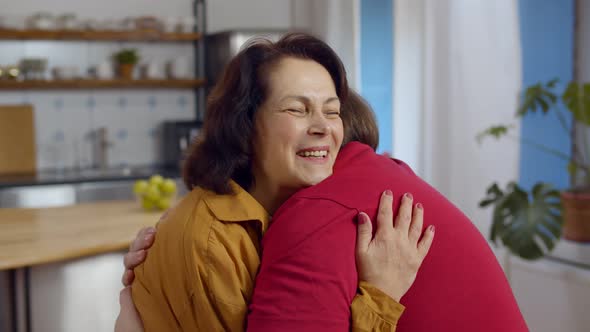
(100, 148)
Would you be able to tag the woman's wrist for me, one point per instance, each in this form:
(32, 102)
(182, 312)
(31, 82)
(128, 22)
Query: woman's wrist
(395, 294)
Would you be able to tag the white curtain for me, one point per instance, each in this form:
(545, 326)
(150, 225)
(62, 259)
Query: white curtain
(461, 76)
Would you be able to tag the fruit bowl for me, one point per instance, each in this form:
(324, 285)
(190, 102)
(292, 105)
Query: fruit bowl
(155, 193)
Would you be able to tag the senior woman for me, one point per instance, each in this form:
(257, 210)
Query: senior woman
(273, 127)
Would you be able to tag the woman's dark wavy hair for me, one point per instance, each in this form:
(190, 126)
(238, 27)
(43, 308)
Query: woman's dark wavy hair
(223, 150)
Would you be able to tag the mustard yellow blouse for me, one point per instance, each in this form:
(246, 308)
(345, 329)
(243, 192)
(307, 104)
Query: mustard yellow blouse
(199, 274)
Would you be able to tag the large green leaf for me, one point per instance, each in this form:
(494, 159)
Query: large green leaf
(538, 97)
(577, 99)
(529, 224)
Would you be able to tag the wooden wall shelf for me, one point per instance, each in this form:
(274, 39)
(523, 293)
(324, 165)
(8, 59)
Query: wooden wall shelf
(134, 35)
(101, 84)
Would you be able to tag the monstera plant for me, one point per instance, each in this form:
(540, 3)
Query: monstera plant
(530, 223)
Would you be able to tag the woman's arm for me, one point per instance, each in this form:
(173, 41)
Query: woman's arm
(128, 319)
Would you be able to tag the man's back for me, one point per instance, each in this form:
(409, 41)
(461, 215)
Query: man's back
(460, 286)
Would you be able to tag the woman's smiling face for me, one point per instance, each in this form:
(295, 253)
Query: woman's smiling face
(298, 130)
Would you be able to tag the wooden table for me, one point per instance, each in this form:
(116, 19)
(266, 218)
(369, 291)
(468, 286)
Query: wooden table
(44, 235)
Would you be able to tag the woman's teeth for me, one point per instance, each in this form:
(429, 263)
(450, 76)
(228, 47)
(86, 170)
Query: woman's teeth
(317, 154)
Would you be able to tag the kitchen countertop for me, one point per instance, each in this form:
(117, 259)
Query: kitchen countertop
(38, 236)
(85, 175)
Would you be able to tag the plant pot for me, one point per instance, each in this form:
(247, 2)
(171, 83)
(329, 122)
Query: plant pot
(576, 216)
(126, 71)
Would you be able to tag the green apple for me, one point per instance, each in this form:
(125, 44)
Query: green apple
(152, 193)
(163, 203)
(156, 180)
(168, 187)
(147, 204)
(140, 187)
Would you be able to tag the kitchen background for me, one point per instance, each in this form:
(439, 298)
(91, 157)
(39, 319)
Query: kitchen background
(436, 73)
(66, 119)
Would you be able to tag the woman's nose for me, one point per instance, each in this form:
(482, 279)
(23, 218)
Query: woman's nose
(319, 125)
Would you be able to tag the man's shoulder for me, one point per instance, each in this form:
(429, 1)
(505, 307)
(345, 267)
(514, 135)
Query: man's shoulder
(360, 183)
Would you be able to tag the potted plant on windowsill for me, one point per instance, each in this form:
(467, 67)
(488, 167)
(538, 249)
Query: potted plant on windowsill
(126, 59)
(530, 223)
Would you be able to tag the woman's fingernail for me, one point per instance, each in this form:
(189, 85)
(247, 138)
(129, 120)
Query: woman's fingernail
(419, 206)
(388, 192)
(362, 218)
(149, 237)
(408, 196)
(151, 230)
(431, 228)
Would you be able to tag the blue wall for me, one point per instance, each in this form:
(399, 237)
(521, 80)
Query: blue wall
(547, 39)
(377, 64)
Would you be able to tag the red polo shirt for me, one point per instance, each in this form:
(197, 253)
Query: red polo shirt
(308, 274)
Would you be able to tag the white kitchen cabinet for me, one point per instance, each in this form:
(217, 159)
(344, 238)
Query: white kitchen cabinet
(77, 295)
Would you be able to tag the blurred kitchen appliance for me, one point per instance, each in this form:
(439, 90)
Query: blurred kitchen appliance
(222, 46)
(177, 136)
(17, 140)
(33, 68)
(100, 147)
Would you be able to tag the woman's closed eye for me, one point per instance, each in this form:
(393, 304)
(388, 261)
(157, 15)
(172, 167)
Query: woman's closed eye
(332, 113)
(296, 111)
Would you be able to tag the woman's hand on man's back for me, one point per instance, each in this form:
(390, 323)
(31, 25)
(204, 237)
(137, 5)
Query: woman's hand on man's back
(390, 260)
(129, 319)
(137, 253)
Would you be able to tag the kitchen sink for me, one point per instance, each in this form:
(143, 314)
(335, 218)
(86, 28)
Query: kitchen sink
(40, 196)
(74, 186)
(65, 194)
